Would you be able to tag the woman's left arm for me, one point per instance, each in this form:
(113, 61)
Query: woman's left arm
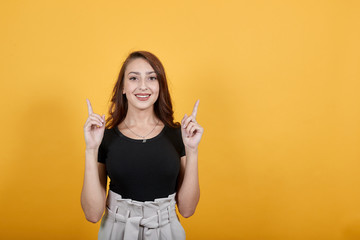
(188, 193)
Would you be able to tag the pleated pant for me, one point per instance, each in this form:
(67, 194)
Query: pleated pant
(127, 219)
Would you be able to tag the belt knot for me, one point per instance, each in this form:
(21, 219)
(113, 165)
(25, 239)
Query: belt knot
(133, 220)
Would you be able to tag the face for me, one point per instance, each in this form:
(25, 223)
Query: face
(141, 85)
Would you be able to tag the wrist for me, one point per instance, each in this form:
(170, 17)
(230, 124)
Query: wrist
(91, 150)
(191, 151)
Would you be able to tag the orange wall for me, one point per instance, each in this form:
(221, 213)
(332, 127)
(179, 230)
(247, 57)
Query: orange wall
(279, 90)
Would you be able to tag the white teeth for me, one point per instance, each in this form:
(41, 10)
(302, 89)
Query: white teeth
(142, 96)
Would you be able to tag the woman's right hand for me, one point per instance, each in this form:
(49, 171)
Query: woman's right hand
(94, 128)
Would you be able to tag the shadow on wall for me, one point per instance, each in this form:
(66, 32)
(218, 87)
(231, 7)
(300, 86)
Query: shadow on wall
(352, 231)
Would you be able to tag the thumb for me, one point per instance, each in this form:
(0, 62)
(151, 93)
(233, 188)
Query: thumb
(103, 117)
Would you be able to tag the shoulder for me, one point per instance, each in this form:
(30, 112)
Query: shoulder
(108, 132)
(174, 133)
(109, 135)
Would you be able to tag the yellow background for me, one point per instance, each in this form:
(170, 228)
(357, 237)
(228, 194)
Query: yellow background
(279, 90)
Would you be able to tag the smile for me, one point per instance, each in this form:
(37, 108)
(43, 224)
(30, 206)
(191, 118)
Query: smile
(142, 97)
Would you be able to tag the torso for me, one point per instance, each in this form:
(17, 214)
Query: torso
(141, 170)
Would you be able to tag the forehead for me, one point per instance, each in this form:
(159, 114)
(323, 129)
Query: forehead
(138, 65)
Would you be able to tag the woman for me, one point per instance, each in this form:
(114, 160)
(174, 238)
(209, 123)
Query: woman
(151, 160)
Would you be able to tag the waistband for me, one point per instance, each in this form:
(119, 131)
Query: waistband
(148, 214)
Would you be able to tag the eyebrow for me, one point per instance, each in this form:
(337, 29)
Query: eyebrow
(138, 73)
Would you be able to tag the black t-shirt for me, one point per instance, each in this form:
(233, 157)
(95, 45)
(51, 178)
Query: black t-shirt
(140, 170)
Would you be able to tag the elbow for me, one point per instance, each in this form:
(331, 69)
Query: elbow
(187, 211)
(187, 208)
(93, 216)
(187, 214)
(93, 219)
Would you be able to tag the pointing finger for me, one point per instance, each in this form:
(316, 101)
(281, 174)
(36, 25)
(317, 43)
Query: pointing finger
(89, 106)
(182, 120)
(194, 112)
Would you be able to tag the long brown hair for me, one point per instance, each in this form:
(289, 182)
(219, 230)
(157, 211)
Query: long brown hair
(162, 107)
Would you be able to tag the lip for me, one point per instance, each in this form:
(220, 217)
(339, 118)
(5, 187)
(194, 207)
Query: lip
(142, 96)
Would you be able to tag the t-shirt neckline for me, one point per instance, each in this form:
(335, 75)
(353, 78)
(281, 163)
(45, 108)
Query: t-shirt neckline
(140, 140)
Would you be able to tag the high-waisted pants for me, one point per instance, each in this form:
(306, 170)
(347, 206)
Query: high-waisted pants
(127, 219)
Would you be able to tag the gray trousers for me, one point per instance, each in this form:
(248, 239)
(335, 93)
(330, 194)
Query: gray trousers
(127, 219)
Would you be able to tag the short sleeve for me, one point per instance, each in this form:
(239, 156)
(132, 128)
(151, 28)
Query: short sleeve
(181, 143)
(182, 151)
(102, 152)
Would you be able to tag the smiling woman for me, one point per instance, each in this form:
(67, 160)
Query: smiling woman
(151, 160)
(150, 66)
(141, 88)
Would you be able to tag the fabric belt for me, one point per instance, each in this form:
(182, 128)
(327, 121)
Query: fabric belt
(151, 215)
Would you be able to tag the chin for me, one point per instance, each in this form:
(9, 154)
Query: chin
(144, 106)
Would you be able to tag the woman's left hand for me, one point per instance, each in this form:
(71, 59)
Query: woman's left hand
(191, 131)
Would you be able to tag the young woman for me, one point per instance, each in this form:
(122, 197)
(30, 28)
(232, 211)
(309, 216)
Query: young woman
(151, 160)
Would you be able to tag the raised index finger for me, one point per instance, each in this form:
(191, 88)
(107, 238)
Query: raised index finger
(89, 106)
(194, 112)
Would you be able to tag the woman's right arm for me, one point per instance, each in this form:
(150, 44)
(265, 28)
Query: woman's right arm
(93, 194)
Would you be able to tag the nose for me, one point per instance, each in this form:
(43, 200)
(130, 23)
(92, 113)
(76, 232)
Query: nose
(142, 84)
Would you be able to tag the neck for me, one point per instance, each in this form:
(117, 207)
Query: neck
(140, 117)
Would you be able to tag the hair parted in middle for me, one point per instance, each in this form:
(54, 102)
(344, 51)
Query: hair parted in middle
(162, 107)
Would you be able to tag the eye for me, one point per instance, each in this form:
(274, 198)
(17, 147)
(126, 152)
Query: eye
(152, 78)
(132, 78)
